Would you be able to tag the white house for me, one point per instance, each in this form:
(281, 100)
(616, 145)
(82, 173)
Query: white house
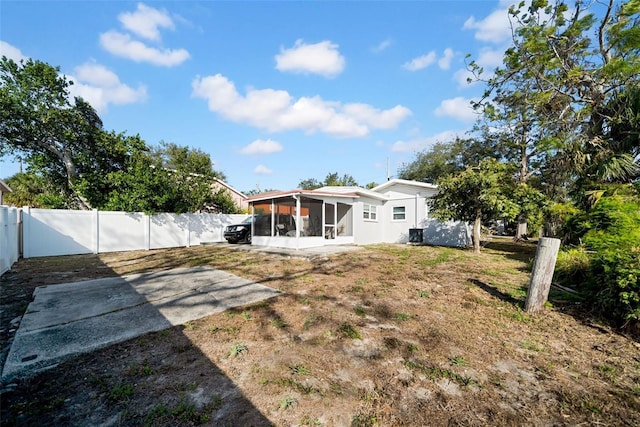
(394, 212)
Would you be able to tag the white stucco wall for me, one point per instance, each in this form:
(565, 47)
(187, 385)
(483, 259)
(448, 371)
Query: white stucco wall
(367, 232)
(416, 213)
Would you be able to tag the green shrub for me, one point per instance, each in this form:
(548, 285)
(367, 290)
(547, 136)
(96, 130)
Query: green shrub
(572, 267)
(606, 267)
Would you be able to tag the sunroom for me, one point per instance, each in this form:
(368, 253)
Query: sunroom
(302, 219)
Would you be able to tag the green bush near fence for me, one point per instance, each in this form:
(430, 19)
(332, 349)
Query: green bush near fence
(604, 263)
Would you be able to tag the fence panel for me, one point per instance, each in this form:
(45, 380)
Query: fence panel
(49, 232)
(9, 232)
(122, 231)
(168, 231)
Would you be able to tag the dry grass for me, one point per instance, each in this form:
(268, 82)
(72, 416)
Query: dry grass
(390, 335)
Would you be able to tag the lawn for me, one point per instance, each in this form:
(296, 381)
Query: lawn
(389, 335)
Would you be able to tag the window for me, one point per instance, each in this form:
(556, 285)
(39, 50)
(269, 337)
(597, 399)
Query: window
(370, 212)
(399, 213)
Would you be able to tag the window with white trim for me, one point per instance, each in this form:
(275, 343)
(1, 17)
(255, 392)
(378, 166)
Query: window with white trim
(399, 213)
(370, 212)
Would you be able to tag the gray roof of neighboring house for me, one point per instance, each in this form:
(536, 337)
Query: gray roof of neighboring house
(4, 188)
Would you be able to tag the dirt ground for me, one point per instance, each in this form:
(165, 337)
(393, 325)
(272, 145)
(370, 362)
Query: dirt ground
(390, 335)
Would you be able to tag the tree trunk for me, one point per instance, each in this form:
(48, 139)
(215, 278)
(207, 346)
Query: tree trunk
(521, 229)
(544, 265)
(69, 166)
(476, 232)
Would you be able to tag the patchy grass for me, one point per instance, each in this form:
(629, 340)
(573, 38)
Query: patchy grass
(389, 335)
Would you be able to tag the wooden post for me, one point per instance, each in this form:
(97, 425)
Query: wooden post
(542, 274)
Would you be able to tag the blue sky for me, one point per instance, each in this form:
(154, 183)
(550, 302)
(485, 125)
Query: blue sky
(275, 92)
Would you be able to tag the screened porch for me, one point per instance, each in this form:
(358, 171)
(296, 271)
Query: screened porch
(302, 220)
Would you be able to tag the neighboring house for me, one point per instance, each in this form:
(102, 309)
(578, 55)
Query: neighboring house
(388, 213)
(239, 198)
(4, 188)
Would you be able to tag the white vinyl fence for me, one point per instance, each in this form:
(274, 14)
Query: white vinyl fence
(9, 237)
(48, 232)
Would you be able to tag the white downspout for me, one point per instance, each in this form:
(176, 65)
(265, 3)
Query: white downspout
(415, 224)
(253, 220)
(297, 199)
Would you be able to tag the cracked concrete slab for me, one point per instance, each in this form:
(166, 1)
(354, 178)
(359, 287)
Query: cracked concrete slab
(73, 318)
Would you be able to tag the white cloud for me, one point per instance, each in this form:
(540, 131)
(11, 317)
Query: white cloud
(146, 21)
(261, 146)
(420, 62)
(262, 170)
(490, 58)
(445, 62)
(11, 52)
(421, 144)
(461, 76)
(122, 45)
(100, 87)
(459, 108)
(381, 46)
(387, 119)
(321, 58)
(494, 28)
(277, 111)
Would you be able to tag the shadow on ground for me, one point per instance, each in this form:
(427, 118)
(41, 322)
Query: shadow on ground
(171, 382)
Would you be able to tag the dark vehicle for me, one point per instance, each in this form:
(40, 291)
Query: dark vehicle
(242, 232)
(239, 232)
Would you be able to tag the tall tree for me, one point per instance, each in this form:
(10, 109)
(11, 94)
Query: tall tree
(335, 180)
(331, 180)
(476, 194)
(30, 189)
(147, 184)
(39, 121)
(186, 160)
(448, 157)
(549, 104)
(558, 83)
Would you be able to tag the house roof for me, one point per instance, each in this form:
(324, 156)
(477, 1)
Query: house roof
(398, 181)
(310, 193)
(230, 188)
(4, 188)
(357, 190)
(343, 191)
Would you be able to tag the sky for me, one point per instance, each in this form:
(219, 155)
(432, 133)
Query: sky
(275, 92)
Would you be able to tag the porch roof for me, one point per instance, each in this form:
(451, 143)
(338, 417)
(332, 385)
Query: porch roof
(309, 193)
(357, 190)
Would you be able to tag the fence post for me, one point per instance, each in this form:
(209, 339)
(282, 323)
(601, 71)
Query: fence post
(5, 258)
(147, 231)
(96, 232)
(26, 232)
(188, 215)
(542, 274)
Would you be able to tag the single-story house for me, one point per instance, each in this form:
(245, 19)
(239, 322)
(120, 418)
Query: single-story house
(238, 197)
(394, 212)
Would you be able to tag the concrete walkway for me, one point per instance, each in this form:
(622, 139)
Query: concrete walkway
(74, 318)
(305, 253)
